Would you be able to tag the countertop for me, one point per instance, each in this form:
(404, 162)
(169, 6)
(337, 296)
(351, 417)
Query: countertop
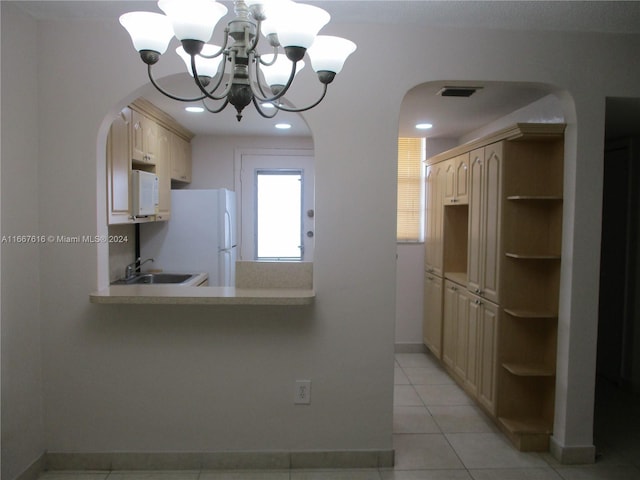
(184, 295)
(257, 283)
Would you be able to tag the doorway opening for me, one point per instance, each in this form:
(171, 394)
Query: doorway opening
(617, 401)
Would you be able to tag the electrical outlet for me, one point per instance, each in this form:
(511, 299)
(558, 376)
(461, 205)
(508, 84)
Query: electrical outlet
(302, 393)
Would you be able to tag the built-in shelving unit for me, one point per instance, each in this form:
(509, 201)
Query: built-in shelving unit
(494, 217)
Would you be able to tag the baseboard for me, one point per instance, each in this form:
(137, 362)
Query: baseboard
(572, 455)
(220, 460)
(406, 347)
(34, 470)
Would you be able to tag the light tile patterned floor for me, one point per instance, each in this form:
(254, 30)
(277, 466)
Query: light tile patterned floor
(439, 434)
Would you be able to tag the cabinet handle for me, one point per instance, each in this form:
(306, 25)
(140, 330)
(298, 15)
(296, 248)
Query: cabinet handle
(478, 302)
(477, 290)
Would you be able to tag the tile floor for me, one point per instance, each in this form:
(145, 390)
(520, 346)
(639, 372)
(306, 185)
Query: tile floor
(440, 435)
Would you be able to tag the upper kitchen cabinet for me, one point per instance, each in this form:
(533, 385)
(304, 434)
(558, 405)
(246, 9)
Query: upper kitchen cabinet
(145, 138)
(180, 159)
(119, 170)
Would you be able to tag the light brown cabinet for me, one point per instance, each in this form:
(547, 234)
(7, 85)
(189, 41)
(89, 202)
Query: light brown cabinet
(142, 138)
(501, 263)
(485, 192)
(433, 221)
(456, 181)
(163, 171)
(432, 319)
(180, 159)
(119, 170)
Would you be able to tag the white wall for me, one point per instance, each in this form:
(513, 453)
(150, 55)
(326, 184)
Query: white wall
(214, 156)
(409, 294)
(22, 423)
(127, 378)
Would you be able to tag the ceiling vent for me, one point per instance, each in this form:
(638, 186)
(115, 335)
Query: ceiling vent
(458, 91)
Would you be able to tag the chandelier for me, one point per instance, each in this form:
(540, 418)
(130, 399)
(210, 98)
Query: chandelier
(235, 72)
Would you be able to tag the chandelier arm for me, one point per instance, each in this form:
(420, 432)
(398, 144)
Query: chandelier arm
(258, 82)
(256, 39)
(215, 110)
(260, 111)
(173, 97)
(281, 93)
(220, 75)
(202, 87)
(268, 64)
(222, 49)
(286, 109)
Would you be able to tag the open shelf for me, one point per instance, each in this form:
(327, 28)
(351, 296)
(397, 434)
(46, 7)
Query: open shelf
(528, 370)
(544, 198)
(531, 256)
(457, 277)
(530, 314)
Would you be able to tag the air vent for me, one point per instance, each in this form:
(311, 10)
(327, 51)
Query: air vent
(458, 91)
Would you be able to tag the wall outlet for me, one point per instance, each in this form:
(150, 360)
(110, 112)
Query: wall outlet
(302, 393)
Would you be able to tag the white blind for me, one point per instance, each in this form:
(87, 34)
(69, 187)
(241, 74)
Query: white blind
(410, 190)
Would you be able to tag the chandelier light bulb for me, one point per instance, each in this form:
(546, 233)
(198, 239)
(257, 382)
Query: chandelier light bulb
(207, 67)
(329, 53)
(193, 19)
(148, 31)
(279, 72)
(298, 24)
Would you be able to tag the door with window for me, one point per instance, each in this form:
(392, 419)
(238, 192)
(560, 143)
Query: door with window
(276, 205)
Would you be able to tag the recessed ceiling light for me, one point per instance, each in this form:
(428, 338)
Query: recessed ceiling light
(283, 126)
(267, 105)
(194, 109)
(424, 126)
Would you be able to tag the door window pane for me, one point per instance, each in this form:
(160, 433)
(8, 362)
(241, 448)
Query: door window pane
(279, 214)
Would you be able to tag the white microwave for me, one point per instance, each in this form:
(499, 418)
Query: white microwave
(145, 193)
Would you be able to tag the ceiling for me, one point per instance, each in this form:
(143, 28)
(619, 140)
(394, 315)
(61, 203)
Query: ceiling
(452, 117)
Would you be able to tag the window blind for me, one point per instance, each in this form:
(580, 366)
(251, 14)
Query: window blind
(410, 222)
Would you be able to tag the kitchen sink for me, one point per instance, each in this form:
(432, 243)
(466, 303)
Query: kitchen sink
(157, 279)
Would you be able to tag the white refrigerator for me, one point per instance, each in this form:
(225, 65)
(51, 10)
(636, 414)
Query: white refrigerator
(200, 236)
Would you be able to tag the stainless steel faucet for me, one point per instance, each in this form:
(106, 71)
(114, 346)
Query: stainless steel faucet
(134, 267)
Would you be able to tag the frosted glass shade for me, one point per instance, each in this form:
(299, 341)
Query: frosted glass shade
(193, 19)
(278, 73)
(297, 24)
(207, 67)
(329, 53)
(148, 31)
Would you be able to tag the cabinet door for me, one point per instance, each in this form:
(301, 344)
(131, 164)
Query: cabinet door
(462, 179)
(163, 166)
(144, 135)
(434, 220)
(491, 205)
(473, 344)
(432, 321)
(449, 182)
(463, 354)
(118, 168)
(180, 159)
(475, 245)
(449, 323)
(488, 336)
(456, 180)
(485, 195)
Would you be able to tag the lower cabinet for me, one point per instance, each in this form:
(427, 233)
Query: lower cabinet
(470, 328)
(432, 319)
